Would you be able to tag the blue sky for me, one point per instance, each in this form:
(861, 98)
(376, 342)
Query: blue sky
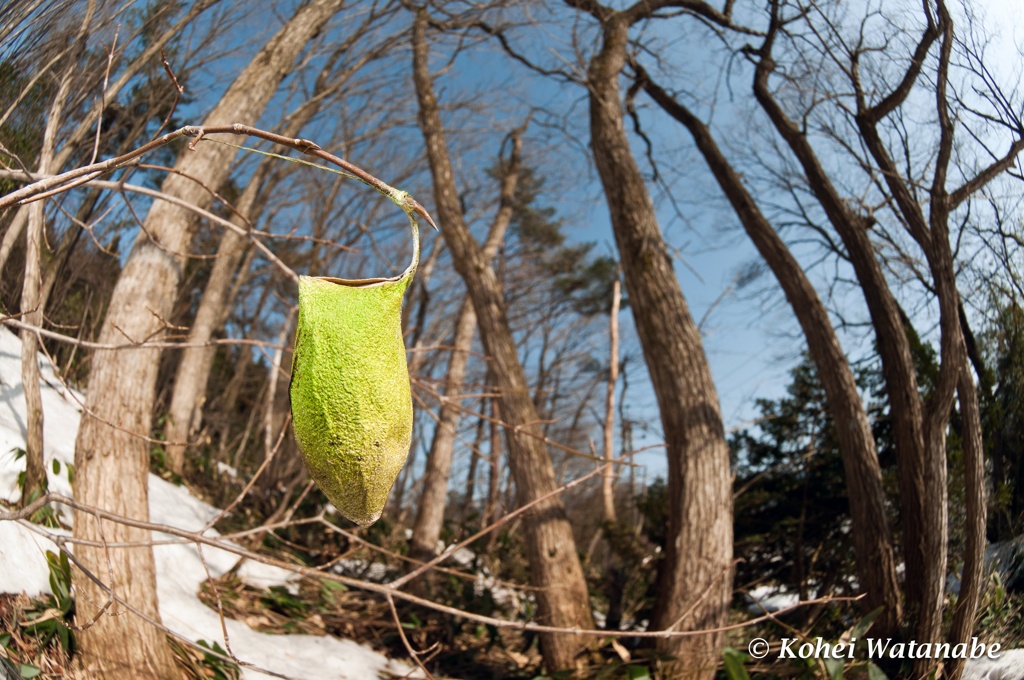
(750, 337)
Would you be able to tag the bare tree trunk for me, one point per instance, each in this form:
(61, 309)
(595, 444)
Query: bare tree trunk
(608, 481)
(111, 458)
(974, 550)
(876, 564)
(32, 299)
(193, 372)
(555, 570)
(474, 461)
(271, 419)
(695, 576)
(430, 514)
(493, 504)
(32, 313)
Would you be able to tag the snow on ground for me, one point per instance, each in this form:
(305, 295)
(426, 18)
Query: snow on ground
(1010, 666)
(769, 598)
(179, 567)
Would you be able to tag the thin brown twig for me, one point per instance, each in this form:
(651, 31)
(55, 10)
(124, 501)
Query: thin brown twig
(178, 91)
(405, 640)
(376, 588)
(197, 133)
(103, 94)
(12, 321)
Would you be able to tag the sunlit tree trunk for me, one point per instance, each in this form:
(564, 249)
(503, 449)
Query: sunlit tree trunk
(111, 455)
(430, 513)
(608, 479)
(33, 300)
(562, 598)
(876, 564)
(695, 577)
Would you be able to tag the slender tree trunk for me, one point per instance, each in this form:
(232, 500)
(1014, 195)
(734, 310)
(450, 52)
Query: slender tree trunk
(111, 459)
(493, 504)
(193, 371)
(32, 298)
(974, 529)
(695, 577)
(474, 460)
(35, 466)
(608, 481)
(876, 564)
(562, 598)
(430, 514)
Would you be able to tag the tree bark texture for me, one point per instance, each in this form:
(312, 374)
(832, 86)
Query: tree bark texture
(32, 299)
(876, 564)
(32, 313)
(188, 397)
(974, 550)
(608, 478)
(430, 513)
(562, 598)
(695, 577)
(923, 544)
(111, 456)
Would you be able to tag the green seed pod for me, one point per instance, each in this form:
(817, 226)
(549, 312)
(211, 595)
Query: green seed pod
(350, 396)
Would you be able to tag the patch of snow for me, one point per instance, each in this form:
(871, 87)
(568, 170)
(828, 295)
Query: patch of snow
(368, 571)
(770, 598)
(464, 557)
(1009, 666)
(23, 566)
(1005, 558)
(180, 567)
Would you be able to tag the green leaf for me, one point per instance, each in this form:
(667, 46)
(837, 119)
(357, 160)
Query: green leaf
(834, 668)
(876, 673)
(865, 623)
(56, 466)
(638, 673)
(734, 661)
(28, 671)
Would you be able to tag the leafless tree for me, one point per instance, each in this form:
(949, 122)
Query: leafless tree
(871, 104)
(695, 576)
(430, 511)
(111, 458)
(551, 549)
